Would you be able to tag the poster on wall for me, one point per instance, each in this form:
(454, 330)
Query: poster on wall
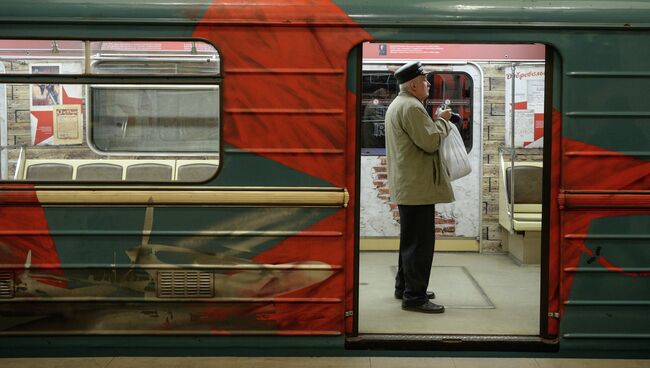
(44, 98)
(67, 124)
(528, 83)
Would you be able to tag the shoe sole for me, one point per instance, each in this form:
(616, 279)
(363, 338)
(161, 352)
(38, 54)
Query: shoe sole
(400, 298)
(418, 309)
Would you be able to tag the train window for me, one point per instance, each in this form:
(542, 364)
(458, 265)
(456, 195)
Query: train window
(68, 120)
(42, 56)
(154, 119)
(454, 90)
(152, 58)
(380, 88)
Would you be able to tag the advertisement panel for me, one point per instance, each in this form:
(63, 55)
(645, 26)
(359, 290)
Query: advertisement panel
(528, 84)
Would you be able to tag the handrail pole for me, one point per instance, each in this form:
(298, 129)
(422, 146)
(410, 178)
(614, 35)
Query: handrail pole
(513, 153)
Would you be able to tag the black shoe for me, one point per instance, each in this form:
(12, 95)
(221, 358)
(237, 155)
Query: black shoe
(427, 307)
(400, 295)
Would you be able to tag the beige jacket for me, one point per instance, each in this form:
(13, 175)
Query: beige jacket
(416, 173)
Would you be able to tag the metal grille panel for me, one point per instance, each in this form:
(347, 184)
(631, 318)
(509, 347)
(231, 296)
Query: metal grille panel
(6, 284)
(185, 284)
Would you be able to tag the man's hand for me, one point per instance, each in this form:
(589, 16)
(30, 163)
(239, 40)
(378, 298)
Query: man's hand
(445, 114)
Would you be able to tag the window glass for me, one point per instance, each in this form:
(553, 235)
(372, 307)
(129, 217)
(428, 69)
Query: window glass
(154, 58)
(153, 128)
(42, 56)
(155, 119)
(379, 88)
(455, 91)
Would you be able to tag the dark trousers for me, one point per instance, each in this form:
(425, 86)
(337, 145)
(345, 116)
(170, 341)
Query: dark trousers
(416, 245)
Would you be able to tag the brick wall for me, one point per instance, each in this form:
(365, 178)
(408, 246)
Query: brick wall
(444, 226)
(493, 140)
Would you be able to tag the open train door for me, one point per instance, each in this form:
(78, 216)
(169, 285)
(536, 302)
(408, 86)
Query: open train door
(485, 106)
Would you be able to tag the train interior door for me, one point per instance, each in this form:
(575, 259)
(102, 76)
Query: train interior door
(486, 269)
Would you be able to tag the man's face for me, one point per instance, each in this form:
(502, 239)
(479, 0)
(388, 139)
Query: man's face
(420, 87)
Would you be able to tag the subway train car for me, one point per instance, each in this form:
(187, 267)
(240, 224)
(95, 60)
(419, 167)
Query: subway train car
(183, 177)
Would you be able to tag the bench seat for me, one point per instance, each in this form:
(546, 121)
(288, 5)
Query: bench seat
(127, 170)
(521, 229)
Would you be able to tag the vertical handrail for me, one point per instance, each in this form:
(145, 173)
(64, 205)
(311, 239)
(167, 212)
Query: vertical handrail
(513, 153)
(4, 162)
(509, 207)
(20, 164)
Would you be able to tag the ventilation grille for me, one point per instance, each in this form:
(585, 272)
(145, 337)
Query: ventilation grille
(185, 284)
(6, 284)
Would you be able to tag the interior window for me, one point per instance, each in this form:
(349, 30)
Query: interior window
(155, 119)
(455, 91)
(154, 126)
(154, 58)
(380, 88)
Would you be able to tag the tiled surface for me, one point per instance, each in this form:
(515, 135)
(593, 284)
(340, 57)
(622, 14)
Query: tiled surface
(317, 362)
(513, 289)
(494, 363)
(592, 363)
(411, 362)
(55, 362)
(226, 362)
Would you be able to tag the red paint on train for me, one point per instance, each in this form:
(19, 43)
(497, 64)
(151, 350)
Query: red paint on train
(265, 90)
(589, 167)
(25, 229)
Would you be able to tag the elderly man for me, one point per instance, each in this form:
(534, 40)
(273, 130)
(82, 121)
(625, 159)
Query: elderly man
(418, 180)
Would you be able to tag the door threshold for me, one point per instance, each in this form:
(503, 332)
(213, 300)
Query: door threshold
(451, 343)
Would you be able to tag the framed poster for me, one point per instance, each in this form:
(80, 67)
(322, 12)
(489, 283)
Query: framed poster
(68, 127)
(528, 104)
(42, 99)
(45, 94)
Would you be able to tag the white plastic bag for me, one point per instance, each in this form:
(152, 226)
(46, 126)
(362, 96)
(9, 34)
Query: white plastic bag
(453, 153)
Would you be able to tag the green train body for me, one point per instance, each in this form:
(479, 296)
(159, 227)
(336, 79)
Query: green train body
(269, 238)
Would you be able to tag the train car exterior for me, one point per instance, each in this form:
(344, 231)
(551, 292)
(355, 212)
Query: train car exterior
(261, 254)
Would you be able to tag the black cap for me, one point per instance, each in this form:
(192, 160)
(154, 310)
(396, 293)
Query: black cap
(409, 71)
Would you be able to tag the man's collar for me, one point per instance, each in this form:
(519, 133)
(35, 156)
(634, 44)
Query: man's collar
(408, 94)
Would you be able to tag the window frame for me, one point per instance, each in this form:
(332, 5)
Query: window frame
(374, 68)
(90, 124)
(86, 78)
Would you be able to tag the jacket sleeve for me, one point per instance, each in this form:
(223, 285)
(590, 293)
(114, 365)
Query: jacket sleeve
(423, 131)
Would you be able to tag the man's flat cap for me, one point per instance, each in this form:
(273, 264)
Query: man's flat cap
(409, 71)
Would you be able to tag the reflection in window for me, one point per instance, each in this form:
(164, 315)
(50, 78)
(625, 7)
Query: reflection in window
(155, 119)
(380, 88)
(154, 58)
(455, 91)
(33, 56)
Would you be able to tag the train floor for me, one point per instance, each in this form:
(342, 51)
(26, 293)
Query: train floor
(482, 294)
(320, 362)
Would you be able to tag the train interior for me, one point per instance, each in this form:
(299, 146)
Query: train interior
(486, 269)
(126, 132)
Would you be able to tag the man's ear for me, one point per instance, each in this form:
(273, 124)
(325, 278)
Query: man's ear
(411, 85)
